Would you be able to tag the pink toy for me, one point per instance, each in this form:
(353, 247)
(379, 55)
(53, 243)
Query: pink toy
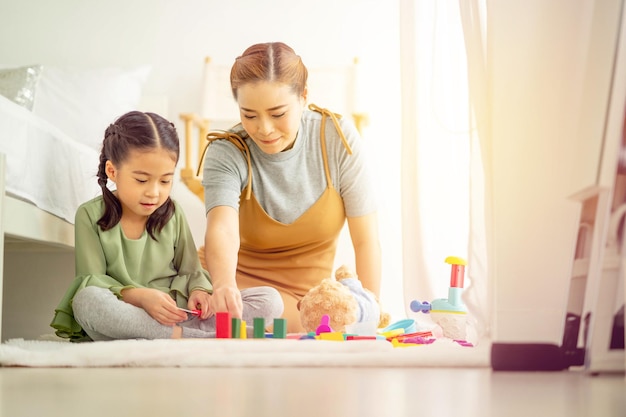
(324, 326)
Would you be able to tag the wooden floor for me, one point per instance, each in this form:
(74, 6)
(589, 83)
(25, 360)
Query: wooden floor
(302, 392)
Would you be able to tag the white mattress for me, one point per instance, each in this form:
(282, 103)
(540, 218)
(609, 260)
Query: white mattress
(43, 165)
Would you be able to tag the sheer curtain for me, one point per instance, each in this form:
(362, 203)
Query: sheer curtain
(442, 176)
(478, 295)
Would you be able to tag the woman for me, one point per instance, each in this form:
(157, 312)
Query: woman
(279, 186)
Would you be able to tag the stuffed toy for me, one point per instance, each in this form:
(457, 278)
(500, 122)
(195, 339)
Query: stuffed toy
(344, 300)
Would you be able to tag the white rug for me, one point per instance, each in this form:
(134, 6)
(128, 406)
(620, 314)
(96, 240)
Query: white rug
(240, 353)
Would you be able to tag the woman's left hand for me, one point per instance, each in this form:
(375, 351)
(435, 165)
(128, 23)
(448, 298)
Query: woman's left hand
(200, 300)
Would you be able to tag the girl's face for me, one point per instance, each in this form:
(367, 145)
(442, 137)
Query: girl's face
(270, 113)
(143, 180)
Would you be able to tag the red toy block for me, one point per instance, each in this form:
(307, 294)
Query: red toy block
(222, 325)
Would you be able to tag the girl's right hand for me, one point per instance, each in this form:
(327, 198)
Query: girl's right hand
(159, 305)
(227, 298)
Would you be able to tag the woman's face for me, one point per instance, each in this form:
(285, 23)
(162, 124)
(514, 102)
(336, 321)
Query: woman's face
(270, 113)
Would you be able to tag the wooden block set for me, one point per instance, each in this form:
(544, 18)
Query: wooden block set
(228, 327)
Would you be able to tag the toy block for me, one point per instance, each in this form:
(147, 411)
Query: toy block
(259, 328)
(235, 326)
(335, 336)
(222, 325)
(243, 334)
(280, 328)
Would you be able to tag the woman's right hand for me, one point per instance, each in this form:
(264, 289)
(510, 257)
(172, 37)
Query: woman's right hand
(227, 298)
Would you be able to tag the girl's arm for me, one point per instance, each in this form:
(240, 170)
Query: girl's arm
(221, 246)
(364, 235)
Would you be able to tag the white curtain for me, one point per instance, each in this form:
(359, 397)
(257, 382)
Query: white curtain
(478, 295)
(442, 176)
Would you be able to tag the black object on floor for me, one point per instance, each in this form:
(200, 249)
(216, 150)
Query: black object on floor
(527, 357)
(541, 356)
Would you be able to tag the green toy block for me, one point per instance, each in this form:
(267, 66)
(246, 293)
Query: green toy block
(280, 328)
(235, 328)
(259, 328)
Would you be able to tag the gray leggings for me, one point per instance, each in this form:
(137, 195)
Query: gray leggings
(105, 317)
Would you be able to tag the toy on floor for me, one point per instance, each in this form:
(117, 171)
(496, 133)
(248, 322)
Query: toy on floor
(344, 300)
(228, 327)
(324, 326)
(449, 313)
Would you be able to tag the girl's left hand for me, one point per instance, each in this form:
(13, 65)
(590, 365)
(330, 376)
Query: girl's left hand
(200, 300)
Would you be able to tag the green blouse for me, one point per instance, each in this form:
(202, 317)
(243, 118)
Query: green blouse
(108, 259)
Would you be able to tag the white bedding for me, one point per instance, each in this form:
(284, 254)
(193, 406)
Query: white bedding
(43, 165)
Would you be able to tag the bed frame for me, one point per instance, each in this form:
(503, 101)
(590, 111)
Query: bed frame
(25, 226)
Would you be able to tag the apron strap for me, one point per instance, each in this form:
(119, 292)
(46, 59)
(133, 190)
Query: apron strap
(334, 117)
(327, 113)
(239, 143)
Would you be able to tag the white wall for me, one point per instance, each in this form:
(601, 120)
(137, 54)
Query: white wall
(549, 84)
(174, 37)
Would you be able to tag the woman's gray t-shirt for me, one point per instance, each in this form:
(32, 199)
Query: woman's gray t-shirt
(288, 183)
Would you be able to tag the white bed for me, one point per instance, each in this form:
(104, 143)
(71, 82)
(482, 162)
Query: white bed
(45, 170)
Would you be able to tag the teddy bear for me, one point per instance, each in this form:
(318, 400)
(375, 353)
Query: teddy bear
(344, 300)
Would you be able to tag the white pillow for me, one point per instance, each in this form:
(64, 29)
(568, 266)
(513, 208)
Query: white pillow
(20, 84)
(82, 103)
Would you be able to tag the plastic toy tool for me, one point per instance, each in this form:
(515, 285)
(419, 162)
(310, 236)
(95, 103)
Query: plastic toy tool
(453, 303)
(194, 312)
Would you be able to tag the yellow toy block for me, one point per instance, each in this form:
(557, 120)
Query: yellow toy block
(336, 336)
(243, 333)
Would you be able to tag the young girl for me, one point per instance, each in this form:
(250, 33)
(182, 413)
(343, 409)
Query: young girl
(136, 263)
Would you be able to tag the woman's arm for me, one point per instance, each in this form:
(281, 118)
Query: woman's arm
(365, 240)
(221, 249)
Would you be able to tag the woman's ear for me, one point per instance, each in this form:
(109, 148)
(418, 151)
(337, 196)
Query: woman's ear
(305, 94)
(110, 170)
